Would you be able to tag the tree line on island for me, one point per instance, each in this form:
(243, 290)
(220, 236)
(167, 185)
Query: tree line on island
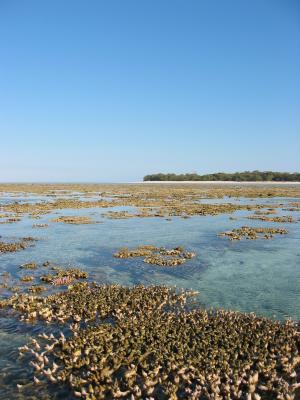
(252, 176)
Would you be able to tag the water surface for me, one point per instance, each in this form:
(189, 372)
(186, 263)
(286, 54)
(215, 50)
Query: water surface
(261, 276)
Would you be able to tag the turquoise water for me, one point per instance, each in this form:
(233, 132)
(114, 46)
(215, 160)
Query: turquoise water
(261, 276)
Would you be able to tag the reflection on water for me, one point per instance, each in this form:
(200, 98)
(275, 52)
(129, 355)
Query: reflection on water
(261, 276)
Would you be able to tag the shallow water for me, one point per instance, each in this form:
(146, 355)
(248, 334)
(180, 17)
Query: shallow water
(262, 276)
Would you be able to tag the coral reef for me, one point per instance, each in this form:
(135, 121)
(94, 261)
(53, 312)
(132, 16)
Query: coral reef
(157, 256)
(76, 220)
(144, 342)
(253, 233)
(10, 247)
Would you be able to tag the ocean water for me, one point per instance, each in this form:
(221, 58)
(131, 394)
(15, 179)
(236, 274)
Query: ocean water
(261, 276)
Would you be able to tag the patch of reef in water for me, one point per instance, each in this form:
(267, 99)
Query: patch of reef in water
(269, 211)
(157, 255)
(29, 265)
(10, 220)
(247, 232)
(11, 247)
(147, 343)
(64, 276)
(293, 206)
(40, 225)
(284, 218)
(75, 220)
(60, 276)
(27, 278)
(118, 215)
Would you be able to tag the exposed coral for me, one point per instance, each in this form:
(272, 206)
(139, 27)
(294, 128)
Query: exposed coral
(140, 251)
(31, 265)
(157, 256)
(76, 220)
(7, 247)
(27, 278)
(253, 233)
(284, 218)
(142, 342)
(151, 200)
(64, 276)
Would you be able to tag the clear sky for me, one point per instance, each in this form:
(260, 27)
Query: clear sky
(112, 90)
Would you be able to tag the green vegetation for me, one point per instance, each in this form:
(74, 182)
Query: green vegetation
(254, 176)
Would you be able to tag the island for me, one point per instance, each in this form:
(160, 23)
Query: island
(246, 176)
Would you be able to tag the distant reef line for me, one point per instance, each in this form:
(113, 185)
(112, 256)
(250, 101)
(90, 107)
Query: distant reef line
(247, 176)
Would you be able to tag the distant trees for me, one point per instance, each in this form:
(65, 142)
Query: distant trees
(250, 176)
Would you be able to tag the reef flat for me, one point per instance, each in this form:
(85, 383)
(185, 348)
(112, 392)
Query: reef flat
(143, 298)
(149, 200)
(157, 190)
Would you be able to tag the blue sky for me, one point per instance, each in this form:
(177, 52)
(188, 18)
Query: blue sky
(113, 90)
